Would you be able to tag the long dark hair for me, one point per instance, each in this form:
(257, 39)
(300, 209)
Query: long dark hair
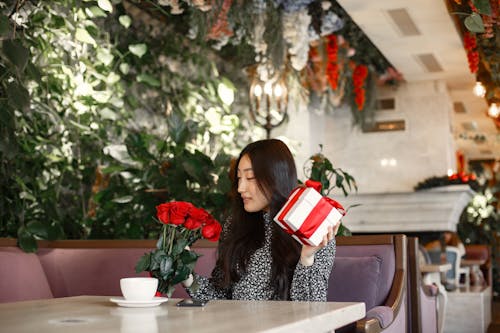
(274, 170)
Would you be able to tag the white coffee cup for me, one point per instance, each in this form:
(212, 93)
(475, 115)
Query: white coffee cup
(139, 288)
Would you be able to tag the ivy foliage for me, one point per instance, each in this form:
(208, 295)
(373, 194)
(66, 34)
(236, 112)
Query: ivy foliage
(102, 117)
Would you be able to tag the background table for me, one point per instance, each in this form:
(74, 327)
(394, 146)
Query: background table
(98, 314)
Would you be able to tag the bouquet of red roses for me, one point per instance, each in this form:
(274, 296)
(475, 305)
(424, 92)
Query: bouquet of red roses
(172, 261)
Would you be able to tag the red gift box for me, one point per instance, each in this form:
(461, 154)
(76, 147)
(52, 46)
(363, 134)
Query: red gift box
(307, 215)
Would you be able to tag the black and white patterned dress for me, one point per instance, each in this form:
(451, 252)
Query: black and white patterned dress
(310, 283)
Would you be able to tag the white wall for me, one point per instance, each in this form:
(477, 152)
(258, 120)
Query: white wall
(424, 149)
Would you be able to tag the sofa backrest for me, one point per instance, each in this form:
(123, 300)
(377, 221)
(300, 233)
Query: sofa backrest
(21, 276)
(89, 271)
(95, 267)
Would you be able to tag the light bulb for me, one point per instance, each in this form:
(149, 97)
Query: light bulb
(268, 88)
(257, 90)
(493, 110)
(479, 89)
(278, 91)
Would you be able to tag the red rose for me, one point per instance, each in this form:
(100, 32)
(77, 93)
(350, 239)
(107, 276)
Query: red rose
(211, 230)
(196, 218)
(199, 214)
(192, 224)
(163, 212)
(179, 211)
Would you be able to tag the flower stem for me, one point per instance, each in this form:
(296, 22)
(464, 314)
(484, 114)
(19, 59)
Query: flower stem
(164, 235)
(171, 242)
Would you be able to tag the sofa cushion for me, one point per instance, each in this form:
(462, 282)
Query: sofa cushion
(387, 266)
(355, 279)
(22, 276)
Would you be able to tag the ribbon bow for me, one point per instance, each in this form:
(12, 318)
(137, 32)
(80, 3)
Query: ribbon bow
(314, 184)
(317, 186)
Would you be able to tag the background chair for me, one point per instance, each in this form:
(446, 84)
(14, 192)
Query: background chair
(453, 275)
(422, 298)
(431, 257)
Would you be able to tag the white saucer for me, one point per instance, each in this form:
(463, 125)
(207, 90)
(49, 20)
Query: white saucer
(138, 304)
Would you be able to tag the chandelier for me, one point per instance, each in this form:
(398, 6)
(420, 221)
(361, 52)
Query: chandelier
(268, 99)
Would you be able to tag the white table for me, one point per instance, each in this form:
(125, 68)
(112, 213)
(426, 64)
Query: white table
(473, 266)
(98, 314)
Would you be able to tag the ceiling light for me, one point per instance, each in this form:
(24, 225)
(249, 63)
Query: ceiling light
(493, 110)
(479, 89)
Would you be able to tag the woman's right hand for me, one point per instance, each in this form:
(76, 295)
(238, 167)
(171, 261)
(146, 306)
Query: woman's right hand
(189, 281)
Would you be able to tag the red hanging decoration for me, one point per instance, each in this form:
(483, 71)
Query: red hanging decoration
(359, 76)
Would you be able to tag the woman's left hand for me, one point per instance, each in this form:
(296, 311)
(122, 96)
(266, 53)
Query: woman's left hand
(307, 254)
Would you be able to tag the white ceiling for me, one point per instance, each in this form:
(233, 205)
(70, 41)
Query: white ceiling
(439, 37)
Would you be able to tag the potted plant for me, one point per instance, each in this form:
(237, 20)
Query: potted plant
(319, 168)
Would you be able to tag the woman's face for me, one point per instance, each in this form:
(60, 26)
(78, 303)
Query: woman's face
(253, 198)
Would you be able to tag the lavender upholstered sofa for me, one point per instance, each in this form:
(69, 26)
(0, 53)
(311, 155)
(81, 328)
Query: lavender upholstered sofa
(73, 267)
(368, 268)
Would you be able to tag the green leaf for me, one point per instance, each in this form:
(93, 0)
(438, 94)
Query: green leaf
(474, 23)
(80, 126)
(113, 169)
(137, 146)
(33, 72)
(105, 5)
(138, 49)
(483, 6)
(57, 22)
(181, 274)
(124, 68)
(125, 20)
(105, 56)
(38, 17)
(55, 231)
(179, 246)
(148, 79)
(124, 199)
(18, 96)
(4, 25)
(156, 259)
(197, 166)
(108, 114)
(343, 231)
(166, 266)
(95, 11)
(83, 36)
(16, 53)
(26, 240)
(143, 263)
(188, 257)
(38, 229)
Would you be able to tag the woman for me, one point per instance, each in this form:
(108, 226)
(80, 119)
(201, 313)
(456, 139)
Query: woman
(257, 260)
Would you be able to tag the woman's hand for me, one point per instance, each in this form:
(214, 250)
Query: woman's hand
(307, 254)
(189, 281)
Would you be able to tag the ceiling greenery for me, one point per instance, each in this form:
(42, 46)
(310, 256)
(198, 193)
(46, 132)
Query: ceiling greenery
(327, 58)
(479, 23)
